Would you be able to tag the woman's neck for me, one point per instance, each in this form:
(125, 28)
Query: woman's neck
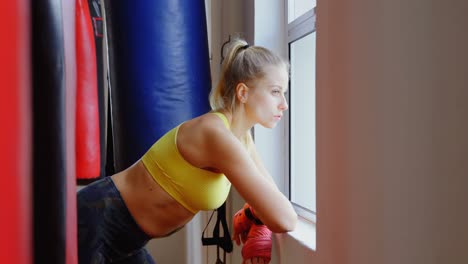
(238, 122)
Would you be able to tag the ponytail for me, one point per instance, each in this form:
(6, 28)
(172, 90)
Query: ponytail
(221, 96)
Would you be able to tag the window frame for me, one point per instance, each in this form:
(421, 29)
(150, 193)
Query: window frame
(297, 29)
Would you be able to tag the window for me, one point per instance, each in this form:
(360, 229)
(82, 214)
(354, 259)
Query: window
(301, 122)
(296, 8)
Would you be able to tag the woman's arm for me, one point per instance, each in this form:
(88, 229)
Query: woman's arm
(248, 175)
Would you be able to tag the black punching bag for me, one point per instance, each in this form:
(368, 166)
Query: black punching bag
(53, 87)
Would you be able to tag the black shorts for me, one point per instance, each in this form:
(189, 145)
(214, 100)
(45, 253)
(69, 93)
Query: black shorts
(107, 233)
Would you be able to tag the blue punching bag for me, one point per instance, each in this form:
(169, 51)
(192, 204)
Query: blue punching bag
(159, 70)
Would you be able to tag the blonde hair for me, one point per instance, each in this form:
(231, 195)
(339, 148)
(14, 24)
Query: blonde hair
(242, 63)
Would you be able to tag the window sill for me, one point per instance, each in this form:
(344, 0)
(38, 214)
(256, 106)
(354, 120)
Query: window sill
(304, 233)
(297, 246)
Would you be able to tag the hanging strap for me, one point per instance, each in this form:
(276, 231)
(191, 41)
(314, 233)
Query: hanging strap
(225, 241)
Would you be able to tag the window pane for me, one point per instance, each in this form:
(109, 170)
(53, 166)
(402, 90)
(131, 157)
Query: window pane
(302, 126)
(297, 8)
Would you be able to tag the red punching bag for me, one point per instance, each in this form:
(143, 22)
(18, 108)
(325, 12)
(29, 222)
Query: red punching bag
(88, 160)
(15, 134)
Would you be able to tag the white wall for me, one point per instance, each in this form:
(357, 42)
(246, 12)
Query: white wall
(269, 32)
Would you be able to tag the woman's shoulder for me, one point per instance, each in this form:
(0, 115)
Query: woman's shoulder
(204, 128)
(210, 122)
(200, 139)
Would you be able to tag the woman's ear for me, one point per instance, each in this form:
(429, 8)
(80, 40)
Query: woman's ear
(242, 92)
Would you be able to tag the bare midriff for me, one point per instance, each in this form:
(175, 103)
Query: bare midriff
(153, 209)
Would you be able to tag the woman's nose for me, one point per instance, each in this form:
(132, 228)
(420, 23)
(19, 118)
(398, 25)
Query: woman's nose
(284, 104)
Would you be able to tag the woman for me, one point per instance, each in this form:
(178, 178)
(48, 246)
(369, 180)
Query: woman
(192, 167)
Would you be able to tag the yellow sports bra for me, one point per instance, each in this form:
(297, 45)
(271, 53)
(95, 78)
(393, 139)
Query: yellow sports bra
(196, 189)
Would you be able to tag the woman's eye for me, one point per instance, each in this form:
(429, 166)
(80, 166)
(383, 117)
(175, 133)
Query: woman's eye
(276, 91)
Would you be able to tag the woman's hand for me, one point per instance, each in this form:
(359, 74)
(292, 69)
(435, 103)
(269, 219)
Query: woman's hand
(257, 248)
(256, 260)
(241, 225)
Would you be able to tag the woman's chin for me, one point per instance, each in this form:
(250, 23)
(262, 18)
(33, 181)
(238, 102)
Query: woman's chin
(269, 125)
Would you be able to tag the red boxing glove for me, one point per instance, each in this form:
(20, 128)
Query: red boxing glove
(258, 243)
(241, 225)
